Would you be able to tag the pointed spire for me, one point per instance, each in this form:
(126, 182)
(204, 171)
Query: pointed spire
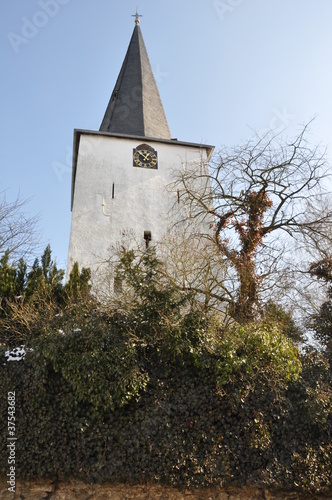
(135, 107)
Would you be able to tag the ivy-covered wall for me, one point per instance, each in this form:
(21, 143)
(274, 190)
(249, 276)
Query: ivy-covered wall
(180, 431)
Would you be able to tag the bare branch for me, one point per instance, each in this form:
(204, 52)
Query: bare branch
(18, 232)
(255, 194)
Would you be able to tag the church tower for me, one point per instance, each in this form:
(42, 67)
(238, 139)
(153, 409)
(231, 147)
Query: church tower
(123, 173)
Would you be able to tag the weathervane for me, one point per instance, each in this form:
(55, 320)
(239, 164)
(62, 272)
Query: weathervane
(136, 16)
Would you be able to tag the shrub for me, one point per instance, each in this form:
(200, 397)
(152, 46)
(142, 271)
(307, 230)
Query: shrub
(93, 354)
(256, 351)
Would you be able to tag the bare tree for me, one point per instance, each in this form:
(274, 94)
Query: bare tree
(18, 233)
(192, 262)
(258, 195)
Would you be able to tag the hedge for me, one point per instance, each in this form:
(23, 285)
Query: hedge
(181, 429)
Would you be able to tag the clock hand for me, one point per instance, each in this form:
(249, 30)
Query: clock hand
(146, 156)
(143, 155)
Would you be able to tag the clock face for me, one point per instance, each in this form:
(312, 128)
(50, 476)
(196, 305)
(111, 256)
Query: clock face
(145, 156)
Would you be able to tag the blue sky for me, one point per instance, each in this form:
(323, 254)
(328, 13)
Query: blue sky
(224, 68)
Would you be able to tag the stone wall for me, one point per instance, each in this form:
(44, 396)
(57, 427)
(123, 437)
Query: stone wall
(73, 490)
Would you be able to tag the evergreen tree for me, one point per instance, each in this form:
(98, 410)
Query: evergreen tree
(8, 283)
(274, 312)
(78, 283)
(30, 300)
(156, 310)
(21, 276)
(321, 322)
(45, 278)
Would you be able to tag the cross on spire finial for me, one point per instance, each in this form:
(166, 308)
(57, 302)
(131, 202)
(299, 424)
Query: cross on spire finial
(136, 16)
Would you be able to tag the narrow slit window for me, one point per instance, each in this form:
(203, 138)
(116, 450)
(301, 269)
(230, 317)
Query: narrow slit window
(113, 190)
(178, 196)
(147, 237)
(117, 286)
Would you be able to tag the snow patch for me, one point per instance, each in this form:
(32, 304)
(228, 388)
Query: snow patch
(16, 354)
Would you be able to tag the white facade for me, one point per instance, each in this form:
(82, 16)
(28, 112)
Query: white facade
(112, 198)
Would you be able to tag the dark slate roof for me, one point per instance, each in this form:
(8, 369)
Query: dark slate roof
(135, 107)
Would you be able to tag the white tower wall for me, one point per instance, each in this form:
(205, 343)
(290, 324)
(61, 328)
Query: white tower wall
(113, 198)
